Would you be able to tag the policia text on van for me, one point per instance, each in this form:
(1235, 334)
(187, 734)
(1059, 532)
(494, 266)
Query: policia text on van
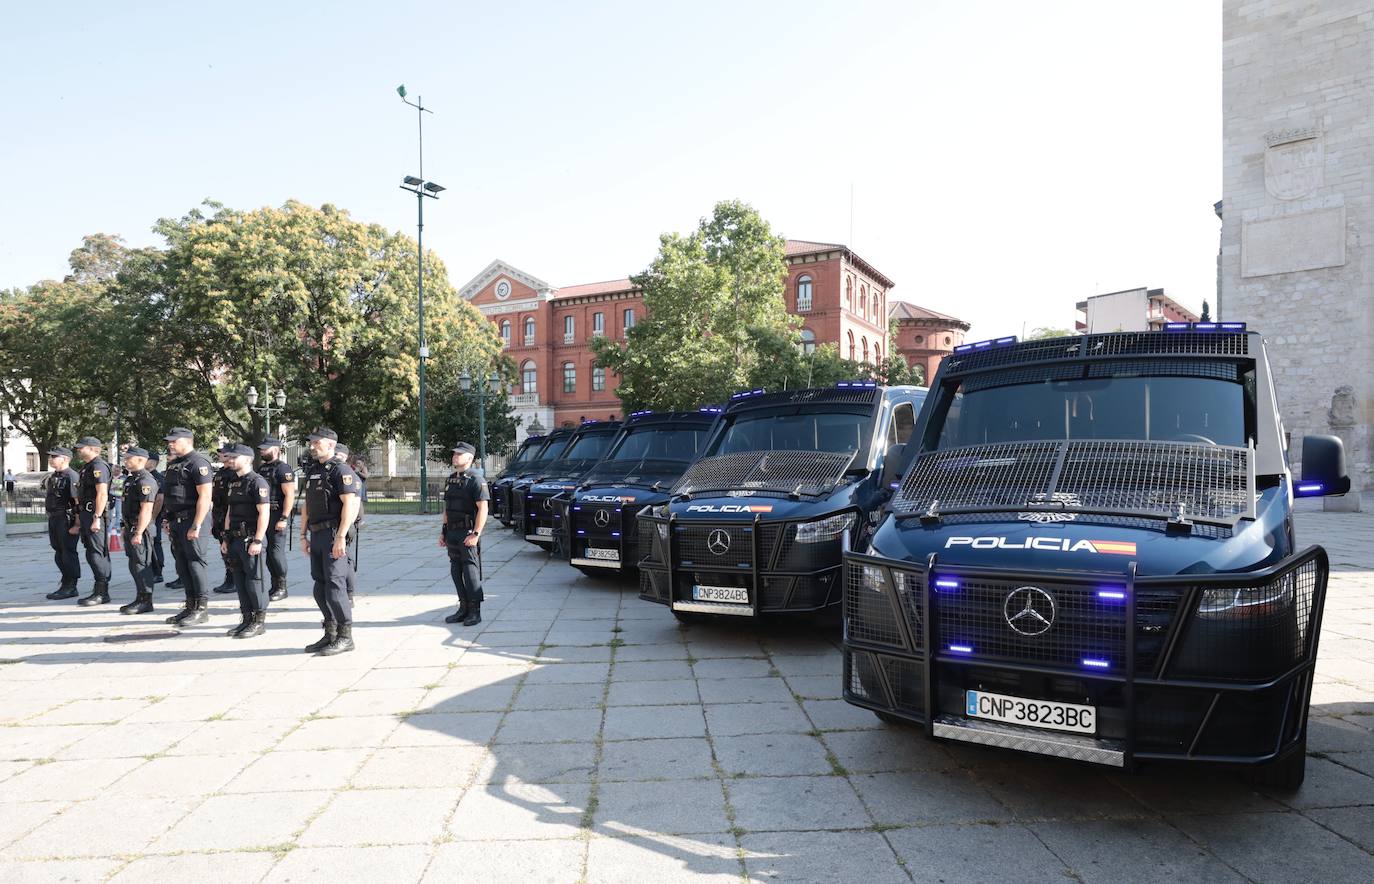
(1093, 556)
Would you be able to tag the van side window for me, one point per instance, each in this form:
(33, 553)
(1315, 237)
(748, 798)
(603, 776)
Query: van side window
(903, 422)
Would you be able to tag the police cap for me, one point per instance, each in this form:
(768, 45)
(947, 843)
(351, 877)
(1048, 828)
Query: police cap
(178, 433)
(465, 448)
(89, 441)
(323, 433)
(59, 451)
(154, 457)
(224, 450)
(239, 450)
(269, 442)
(341, 449)
(135, 452)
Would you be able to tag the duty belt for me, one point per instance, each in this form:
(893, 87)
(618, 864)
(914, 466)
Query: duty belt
(320, 526)
(181, 515)
(241, 530)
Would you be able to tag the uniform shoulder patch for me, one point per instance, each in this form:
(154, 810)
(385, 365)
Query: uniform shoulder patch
(262, 492)
(205, 471)
(147, 489)
(348, 480)
(95, 473)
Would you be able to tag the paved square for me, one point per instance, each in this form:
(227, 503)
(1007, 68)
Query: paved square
(580, 734)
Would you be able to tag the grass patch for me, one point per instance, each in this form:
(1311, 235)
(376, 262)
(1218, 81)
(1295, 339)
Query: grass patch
(835, 767)
(616, 643)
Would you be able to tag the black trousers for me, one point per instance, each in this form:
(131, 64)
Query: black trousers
(330, 576)
(157, 558)
(276, 549)
(247, 571)
(64, 548)
(140, 560)
(97, 545)
(190, 555)
(462, 566)
(351, 551)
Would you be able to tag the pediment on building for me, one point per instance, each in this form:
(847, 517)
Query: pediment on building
(500, 282)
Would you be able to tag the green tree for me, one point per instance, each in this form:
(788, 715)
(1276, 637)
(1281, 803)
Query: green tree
(1043, 332)
(710, 297)
(452, 416)
(1206, 312)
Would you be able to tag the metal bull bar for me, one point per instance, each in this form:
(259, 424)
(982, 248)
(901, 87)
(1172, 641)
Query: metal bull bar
(567, 543)
(898, 655)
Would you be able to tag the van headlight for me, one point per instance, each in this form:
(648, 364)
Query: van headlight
(1241, 602)
(825, 529)
(873, 578)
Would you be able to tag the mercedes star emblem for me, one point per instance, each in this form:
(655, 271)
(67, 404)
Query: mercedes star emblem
(1029, 610)
(548, 504)
(602, 518)
(719, 542)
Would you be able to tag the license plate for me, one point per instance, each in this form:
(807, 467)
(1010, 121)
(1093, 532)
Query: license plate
(1031, 713)
(737, 594)
(543, 531)
(605, 555)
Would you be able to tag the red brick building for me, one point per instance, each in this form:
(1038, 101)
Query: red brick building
(925, 337)
(841, 299)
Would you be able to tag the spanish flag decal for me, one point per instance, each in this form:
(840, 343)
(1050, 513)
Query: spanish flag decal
(1115, 547)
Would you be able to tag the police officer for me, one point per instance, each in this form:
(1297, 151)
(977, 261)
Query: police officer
(281, 498)
(93, 493)
(60, 503)
(186, 493)
(137, 501)
(331, 506)
(219, 507)
(465, 514)
(244, 538)
(157, 556)
(342, 454)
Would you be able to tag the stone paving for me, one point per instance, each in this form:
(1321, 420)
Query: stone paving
(580, 734)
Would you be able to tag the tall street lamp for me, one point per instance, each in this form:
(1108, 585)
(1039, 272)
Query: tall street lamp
(417, 185)
(266, 409)
(494, 382)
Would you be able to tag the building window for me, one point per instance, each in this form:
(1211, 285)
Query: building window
(629, 318)
(877, 353)
(863, 301)
(598, 378)
(598, 323)
(920, 339)
(803, 294)
(569, 378)
(505, 333)
(865, 350)
(808, 341)
(529, 331)
(849, 293)
(527, 378)
(569, 329)
(949, 341)
(877, 305)
(851, 346)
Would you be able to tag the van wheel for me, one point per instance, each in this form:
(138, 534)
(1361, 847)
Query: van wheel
(1284, 774)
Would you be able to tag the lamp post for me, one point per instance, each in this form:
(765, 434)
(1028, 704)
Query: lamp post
(104, 410)
(421, 188)
(494, 382)
(266, 409)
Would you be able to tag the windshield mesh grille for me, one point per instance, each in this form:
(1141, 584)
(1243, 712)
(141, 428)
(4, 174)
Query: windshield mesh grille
(1210, 483)
(1222, 371)
(814, 472)
(1099, 346)
(859, 395)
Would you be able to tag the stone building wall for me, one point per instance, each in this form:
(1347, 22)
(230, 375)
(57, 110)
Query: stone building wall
(1297, 261)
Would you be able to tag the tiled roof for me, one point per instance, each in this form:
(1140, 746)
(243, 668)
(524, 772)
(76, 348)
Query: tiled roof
(806, 247)
(595, 288)
(906, 310)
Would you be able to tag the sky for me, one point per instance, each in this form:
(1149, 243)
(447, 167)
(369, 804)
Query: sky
(999, 161)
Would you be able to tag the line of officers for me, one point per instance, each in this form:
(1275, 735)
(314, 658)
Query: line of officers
(247, 511)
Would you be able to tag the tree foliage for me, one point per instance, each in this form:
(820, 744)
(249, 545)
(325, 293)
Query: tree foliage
(1043, 332)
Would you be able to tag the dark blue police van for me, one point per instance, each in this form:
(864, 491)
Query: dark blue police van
(588, 444)
(596, 520)
(788, 480)
(545, 454)
(500, 487)
(1092, 556)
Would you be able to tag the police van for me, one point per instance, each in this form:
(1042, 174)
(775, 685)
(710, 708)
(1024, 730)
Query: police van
(500, 488)
(596, 520)
(757, 523)
(542, 455)
(587, 445)
(1093, 556)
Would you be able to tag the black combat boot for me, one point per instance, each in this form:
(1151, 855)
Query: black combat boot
(175, 583)
(186, 611)
(142, 604)
(201, 612)
(342, 643)
(459, 615)
(245, 621)
(227, 586)
(474, 615)
(256, 626)
(100, 595)
(331, 631)
(278, 591)
(65, 591)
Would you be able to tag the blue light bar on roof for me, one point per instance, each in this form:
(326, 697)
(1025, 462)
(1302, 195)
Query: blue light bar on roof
(1177, 326)
(864, 385)
(983, 345)
(743, 394)
(1233, 327)
(710, 410)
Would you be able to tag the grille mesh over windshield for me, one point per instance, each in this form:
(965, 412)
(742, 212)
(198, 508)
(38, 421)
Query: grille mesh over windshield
(815, 472)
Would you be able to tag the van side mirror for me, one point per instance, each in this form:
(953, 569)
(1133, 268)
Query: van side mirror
(895, 463)
(1323, 468)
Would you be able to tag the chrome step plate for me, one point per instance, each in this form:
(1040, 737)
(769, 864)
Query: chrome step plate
(1005, 736)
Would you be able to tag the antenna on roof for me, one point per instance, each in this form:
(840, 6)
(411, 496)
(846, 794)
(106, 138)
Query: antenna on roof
(851, 213)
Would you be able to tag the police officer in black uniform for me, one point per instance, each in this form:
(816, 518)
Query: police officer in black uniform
(157, 557)
(186, 494)
(219, 506)
(60, 503)
(281, 497)
(466, 499)
(342, 454)
(137, 501)
(244, 539)
(93, 493)
(331, 506)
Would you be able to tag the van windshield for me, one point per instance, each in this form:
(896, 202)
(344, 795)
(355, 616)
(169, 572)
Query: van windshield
(590, 447)
(836, 431)
(660, 443)
(1132, 406)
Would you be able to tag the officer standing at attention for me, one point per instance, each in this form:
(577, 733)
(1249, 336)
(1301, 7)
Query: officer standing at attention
(331, 506)
(281, 498)
(93, 493)
(244, 539)
(219, 507)
(187, 497)
(342, 455)
(137, 500)
(465, 514)
(59, 501)
(156, 559)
